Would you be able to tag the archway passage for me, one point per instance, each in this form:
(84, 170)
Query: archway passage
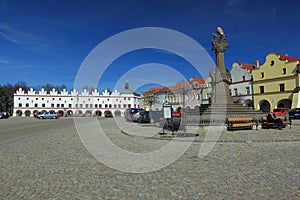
(88, 113)
(78, 113)
(19, 113)
(264, 106)
(60, 113)
(98, 113)
(27, 113)
(248, 103)
(69, 113)
(284, 103)
(117, 113)
(108, 113)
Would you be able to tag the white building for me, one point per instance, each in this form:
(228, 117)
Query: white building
(241, 83)
(26, 103)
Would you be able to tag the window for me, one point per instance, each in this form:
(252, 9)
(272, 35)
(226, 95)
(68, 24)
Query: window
(86, 105)
(247, 90)
(62, 105)
(235, 92)
(105, 105)
(57, 105)
(272, 62)
(27, 105)
(124, 98)
(43, 105)
(80, 105)
(283, 70)
(35, 105)
(27, 98)
(262, 75)
(243, 78)
(109, 105)
(52, 105)
(96, 105)
(53, 99)
(281, 87)
(129, 105)
(124, 105)
(70, 105)
(20, 105)
(59, 98)
(262, 89)
(100, 105)
(91, 105)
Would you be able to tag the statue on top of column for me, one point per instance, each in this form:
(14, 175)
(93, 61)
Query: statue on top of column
(219, 43)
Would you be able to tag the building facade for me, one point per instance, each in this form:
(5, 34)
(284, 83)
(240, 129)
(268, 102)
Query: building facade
(26, 103)
(241, 83)
(206, 91)
(276, 82)
(186, 94)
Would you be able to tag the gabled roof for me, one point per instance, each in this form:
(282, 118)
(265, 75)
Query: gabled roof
(249, 67)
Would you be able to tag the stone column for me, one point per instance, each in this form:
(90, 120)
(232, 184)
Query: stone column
(221, 94)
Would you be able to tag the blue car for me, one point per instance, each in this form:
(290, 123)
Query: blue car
(48, 115)
(294, 113)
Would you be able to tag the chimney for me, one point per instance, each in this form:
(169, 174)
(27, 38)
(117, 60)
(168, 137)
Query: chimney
(256, 64)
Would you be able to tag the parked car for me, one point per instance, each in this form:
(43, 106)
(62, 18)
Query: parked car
(37, 114)
(281, 111)
(141, 116)
(4, 115)
(129, 113)
(48, 115)
(295, 113)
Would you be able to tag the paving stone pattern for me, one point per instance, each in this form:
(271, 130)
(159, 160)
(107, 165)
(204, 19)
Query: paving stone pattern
(46, 160)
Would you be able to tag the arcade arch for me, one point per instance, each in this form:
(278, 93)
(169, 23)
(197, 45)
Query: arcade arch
(27, 113)
(117, 113)
(284, 103)
(264, 106)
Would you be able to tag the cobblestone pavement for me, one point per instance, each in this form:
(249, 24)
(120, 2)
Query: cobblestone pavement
(45, 159)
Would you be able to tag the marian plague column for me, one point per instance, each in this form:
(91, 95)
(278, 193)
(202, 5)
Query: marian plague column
(220, 80)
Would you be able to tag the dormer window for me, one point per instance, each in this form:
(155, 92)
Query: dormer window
(262, 75)
(272, 62)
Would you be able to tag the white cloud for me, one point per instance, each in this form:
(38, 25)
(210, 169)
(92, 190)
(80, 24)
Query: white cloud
(5, 61)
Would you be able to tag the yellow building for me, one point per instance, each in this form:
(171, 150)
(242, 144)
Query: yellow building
(276, 83)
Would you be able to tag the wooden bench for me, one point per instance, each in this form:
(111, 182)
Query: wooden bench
(267, 124)
(236, 123)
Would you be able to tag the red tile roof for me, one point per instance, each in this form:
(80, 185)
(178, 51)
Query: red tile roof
(178, 86)
(289, 59)
(200, 80)
(249, 67)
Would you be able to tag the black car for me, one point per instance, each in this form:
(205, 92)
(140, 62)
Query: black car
(294, 113)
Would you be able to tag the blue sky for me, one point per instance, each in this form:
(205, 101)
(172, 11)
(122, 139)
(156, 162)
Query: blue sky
(47, 41)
